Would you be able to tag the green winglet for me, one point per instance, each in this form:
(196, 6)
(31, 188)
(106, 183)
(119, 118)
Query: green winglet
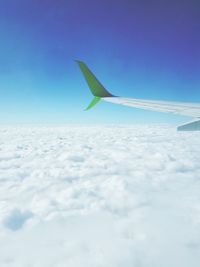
(96, 88)
(94, 101)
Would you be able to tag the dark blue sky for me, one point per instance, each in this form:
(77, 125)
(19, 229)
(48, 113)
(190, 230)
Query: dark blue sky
(148, 49)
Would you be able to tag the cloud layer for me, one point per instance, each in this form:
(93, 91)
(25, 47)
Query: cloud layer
(99, 196)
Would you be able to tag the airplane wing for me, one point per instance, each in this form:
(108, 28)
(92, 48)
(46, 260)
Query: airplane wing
(186, 109)
(180, 108)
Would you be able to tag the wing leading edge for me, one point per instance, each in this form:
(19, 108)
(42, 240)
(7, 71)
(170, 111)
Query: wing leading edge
(180, 108)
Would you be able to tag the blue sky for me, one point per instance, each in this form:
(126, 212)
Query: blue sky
(144, 49)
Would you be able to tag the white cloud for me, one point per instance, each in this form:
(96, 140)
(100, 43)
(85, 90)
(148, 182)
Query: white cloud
(99, 196)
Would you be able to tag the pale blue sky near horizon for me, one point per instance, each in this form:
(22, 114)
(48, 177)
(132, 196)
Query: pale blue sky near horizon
(136, 49)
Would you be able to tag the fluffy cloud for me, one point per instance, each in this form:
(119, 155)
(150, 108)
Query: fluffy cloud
(99, 196)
